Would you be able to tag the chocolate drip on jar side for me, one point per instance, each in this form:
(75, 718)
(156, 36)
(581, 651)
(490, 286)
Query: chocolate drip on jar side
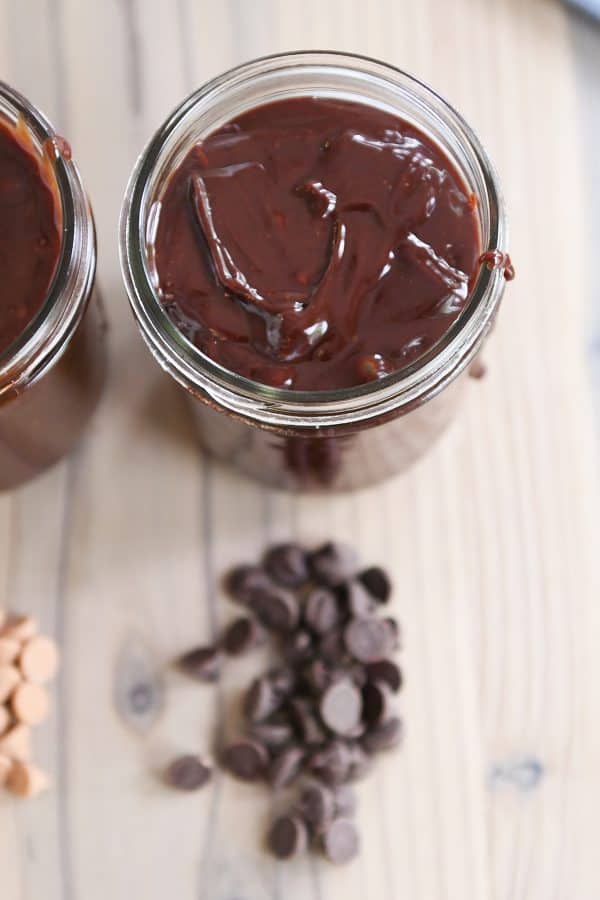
(496, 259)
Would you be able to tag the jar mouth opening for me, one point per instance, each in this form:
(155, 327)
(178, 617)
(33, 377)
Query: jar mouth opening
(323, 74)
(22, 360)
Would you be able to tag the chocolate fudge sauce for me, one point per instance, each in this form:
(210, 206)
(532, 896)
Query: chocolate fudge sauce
(316, 244)
(30, 234)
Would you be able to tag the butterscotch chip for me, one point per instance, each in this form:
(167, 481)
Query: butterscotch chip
(9, 650)
(39, 659)
(5, 719)
(10, 677)
(5, 767)
(20, 628)
(26, 780)
(16, 743)
(30, 703)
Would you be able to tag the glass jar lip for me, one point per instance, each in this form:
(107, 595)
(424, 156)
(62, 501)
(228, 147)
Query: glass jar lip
(46, 335)
(410, 385)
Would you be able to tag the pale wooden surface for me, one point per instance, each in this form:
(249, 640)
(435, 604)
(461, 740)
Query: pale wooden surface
(496, 794)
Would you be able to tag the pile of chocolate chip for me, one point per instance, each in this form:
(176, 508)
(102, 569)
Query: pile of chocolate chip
(323, 713)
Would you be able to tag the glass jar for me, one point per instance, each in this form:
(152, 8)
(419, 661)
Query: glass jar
(51, 376)
(333, 440)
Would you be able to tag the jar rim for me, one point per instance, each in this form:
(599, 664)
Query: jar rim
(270, 406)
(46, 335)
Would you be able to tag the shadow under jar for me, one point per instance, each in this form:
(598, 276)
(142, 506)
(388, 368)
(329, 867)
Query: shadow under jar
(52, 331)
(305, 431)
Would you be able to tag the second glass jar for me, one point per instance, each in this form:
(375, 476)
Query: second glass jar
(51, 376)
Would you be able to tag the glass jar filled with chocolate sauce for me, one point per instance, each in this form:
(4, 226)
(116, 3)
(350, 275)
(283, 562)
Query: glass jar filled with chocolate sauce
(52, 333)
(314, 247)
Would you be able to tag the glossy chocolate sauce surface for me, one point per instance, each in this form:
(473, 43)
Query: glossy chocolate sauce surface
(315, 244)
(30, 234)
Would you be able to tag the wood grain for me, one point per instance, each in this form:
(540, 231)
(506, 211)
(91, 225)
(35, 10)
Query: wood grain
(491, 538)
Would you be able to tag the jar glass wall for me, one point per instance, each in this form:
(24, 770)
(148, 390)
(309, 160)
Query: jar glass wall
(319, 440)
(51, 375)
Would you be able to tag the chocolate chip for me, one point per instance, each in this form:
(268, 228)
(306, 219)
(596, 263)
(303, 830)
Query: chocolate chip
(317, 806)
(375, 702)
(242, 635)
(367, 640)
(332, 563)
(286, 766)
(261, 700)
(360, 763)
(298, 647)
(387, 672)
(278, 609)
(244, 582)
(188, 773)
(286, 564)
(283, 680)
(340, 841)
(341, 707)
(356, 601)
(332, 648)
(305, 722)
(332, 763)
(394, 632)
(287, 837)
(246, 759)
(357, 731)
(377, 582)
(358, 674)
(202, 663)
(316, 676)
(345, 801)
(384, 737)
(273, 735)
(321, 611)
